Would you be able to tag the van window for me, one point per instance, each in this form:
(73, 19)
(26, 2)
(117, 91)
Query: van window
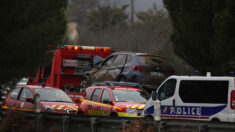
(203, 91)
(167, 90)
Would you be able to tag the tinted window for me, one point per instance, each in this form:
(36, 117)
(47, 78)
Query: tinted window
(87, 94)
(105, 96)
(95, 95)
(108, 62)
(152, 60)
(167, 90)
(130, 96)
(14, 93)
(26, 93)
(204, 91)
(119, 60)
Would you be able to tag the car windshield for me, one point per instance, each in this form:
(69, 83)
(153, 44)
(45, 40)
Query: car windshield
(130, 96)
(52, 95)
(147, 59)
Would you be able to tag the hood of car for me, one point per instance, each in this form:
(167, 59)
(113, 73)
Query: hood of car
(59, 106)
(131, 105)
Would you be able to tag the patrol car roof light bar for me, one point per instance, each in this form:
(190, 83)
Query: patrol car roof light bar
(125, 84)
(104, 83)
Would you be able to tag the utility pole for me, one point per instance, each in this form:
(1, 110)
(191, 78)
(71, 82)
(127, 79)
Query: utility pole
(132, 12)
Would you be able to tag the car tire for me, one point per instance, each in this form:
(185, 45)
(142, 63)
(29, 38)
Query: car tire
(80, 113)
(113, 115)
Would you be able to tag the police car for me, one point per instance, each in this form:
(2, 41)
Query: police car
(52, 100)
(116, 99)
(195, 97)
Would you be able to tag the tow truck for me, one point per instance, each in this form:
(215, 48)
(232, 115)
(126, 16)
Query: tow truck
(67, 69)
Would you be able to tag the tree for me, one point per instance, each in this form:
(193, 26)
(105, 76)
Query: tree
(107, 17)
(28, 29)
(203, 33)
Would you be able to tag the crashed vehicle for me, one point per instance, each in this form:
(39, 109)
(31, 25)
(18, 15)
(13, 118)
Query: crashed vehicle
(52, 100)
(115, 99)
(68, 68)
(148, 70)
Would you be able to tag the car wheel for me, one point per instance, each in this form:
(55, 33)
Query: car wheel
(80, 113)
(114, 115)
(149, 118)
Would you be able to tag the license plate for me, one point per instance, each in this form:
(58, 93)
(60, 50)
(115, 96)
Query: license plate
(156, 73)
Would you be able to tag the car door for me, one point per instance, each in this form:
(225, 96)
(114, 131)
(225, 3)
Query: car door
(93, 106)
(116, 68)
(12, 99)
(106, 100)
(167, 98)
(102, 69)
(24, 105)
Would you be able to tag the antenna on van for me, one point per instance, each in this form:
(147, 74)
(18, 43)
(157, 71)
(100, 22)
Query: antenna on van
(208, 74)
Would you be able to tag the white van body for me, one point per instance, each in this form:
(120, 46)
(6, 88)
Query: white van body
(195, 97)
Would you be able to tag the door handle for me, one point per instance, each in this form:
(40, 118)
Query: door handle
(173, 102)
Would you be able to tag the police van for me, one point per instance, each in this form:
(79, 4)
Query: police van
(195, 97)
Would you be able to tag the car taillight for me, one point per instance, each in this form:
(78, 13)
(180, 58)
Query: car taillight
(232, 105)
(138, 68)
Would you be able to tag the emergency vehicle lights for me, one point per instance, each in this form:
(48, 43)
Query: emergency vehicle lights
(75, 47)
(232, 102)
(71, 47)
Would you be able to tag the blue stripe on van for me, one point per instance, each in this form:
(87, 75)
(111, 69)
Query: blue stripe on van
(187, 110)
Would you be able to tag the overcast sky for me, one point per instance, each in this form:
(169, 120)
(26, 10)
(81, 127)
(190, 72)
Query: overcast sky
(146, 4)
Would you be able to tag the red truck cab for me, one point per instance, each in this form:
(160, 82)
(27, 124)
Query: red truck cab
(68, 66)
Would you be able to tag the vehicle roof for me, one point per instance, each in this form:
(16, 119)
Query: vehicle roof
(135, 53)
(118, 88)
(35, 86)
(202, 77)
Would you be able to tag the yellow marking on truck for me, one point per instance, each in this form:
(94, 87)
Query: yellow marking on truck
(141, 107)
(134, 106)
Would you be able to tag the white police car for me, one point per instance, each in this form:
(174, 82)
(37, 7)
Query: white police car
(195, 97)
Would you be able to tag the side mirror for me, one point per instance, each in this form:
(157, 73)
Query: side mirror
(107, 101)
(154, 95)
(29, 100)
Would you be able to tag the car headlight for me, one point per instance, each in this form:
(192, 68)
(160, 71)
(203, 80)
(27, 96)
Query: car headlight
(131, 111)
(48, 108)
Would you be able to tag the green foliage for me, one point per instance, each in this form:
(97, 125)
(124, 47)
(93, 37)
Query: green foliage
(107, 17)
(204, 33)
(27, 28)
(153, 19)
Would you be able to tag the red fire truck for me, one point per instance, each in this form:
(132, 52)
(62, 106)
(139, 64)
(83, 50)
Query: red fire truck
(68, 66)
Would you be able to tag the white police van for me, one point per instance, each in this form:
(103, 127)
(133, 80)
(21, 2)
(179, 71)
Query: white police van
(195, 97)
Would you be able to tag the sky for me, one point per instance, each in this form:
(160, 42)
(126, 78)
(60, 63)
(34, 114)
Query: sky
(143, 5)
